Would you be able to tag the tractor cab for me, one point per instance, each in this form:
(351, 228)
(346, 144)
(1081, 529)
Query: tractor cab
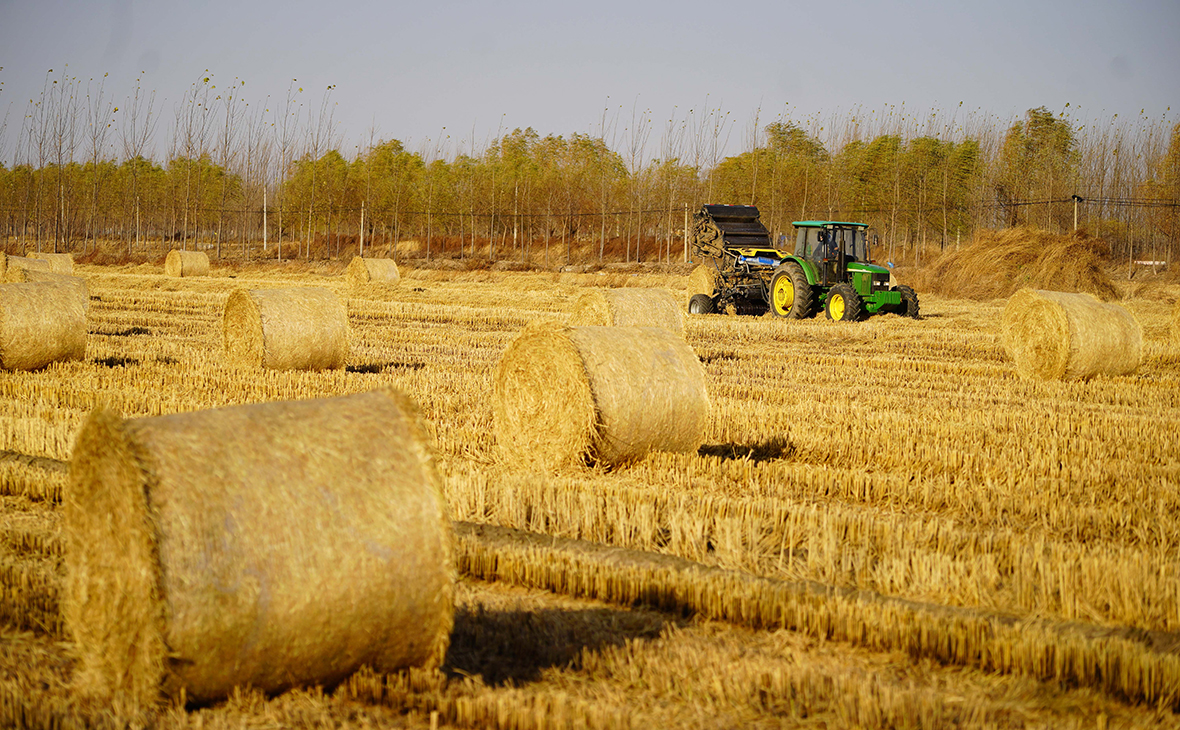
(830, 246)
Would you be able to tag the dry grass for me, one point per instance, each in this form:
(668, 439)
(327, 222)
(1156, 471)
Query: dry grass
(1028, 527)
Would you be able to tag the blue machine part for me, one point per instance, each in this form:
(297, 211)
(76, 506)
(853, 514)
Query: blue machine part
(758, 260)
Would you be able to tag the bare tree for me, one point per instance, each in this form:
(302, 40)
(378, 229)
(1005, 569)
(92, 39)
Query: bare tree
(637, 135)
(321, 128)
(286, 130)
(191, 139)
(136, 132)
(257, 154)
(99, 111)
(227, 146)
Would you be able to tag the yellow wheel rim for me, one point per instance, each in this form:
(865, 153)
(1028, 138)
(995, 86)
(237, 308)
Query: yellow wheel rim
(836, 306)
(784, 294)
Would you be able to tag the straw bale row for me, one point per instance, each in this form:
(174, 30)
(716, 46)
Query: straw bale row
(29, 593)
(900, 554)
(1118, 662)
(33, 477)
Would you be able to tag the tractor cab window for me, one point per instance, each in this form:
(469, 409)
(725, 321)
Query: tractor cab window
(808, 243)
(851, 240)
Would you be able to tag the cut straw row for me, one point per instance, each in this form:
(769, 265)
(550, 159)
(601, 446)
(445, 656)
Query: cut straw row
(1135, 665)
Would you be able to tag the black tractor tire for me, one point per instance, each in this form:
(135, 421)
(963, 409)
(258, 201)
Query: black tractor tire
(790, 294)
(844, 304)
(909, 302)
(702, 304)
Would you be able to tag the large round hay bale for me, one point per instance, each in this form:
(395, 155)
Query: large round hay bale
(268, 545)
(59, 263)
(1065, 336)
(365, 274)
(21, 276)
(41, 322)
(606, 395)
(300, 328)
(11, 263)
(1176, 322)
(186, 263)
(628, 308)
(702, 280)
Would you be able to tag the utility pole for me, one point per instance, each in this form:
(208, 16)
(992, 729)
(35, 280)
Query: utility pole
(1076, 199)
(686, 233)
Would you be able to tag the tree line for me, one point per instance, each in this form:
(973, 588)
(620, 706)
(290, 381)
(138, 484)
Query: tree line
(240, 179)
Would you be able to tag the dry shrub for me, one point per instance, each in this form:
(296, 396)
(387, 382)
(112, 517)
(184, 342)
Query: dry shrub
(997, 263)
(1062, 336)
(570, 395)
(300, 328)
(186, 263)
(628, 308)
(269, 545)
(372, 275)
(702, 280)
(41, 322)
(59, 263)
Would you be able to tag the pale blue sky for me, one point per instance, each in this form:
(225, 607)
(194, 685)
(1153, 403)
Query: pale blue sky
(410, 69)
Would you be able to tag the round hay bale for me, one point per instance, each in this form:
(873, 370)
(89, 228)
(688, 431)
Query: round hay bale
(22, 275)
(12, 263)
(271, 545)
(59, 263)
(364, 273)
(41, 322)
(300, 328)
(628, 308)
(1176, 322)
(605, 395)
(1065, 336)
(186, 263)
(702, 280)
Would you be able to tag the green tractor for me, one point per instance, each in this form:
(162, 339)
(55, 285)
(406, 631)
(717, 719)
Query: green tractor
(829, 269)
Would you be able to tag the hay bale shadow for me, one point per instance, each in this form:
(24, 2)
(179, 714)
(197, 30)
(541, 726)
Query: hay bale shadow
(115, 362)
(769, 450)
(128, 332)
(516, 646)
(378, 367)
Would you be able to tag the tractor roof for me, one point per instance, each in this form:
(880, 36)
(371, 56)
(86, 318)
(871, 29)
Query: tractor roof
(821, 224)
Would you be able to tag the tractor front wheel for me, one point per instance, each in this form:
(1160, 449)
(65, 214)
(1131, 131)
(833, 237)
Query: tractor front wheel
(790, 294)
(702, 304)
(844, 304)
(909, 301)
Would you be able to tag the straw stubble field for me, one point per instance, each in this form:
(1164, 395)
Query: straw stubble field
(885, 527)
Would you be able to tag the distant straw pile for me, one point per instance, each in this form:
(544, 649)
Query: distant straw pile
(995, 264)
(268, 545)
(59, 263)
(301, 328)
(12, 263)
(186, 263)
(1062, 336)
(42, 322)
(371, 275)
(608, 395)
(628, 308)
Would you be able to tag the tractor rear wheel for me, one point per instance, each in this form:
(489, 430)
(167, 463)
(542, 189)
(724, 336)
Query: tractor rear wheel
(701, 304)
(790, 294)
(909, 301)
(844, 304)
